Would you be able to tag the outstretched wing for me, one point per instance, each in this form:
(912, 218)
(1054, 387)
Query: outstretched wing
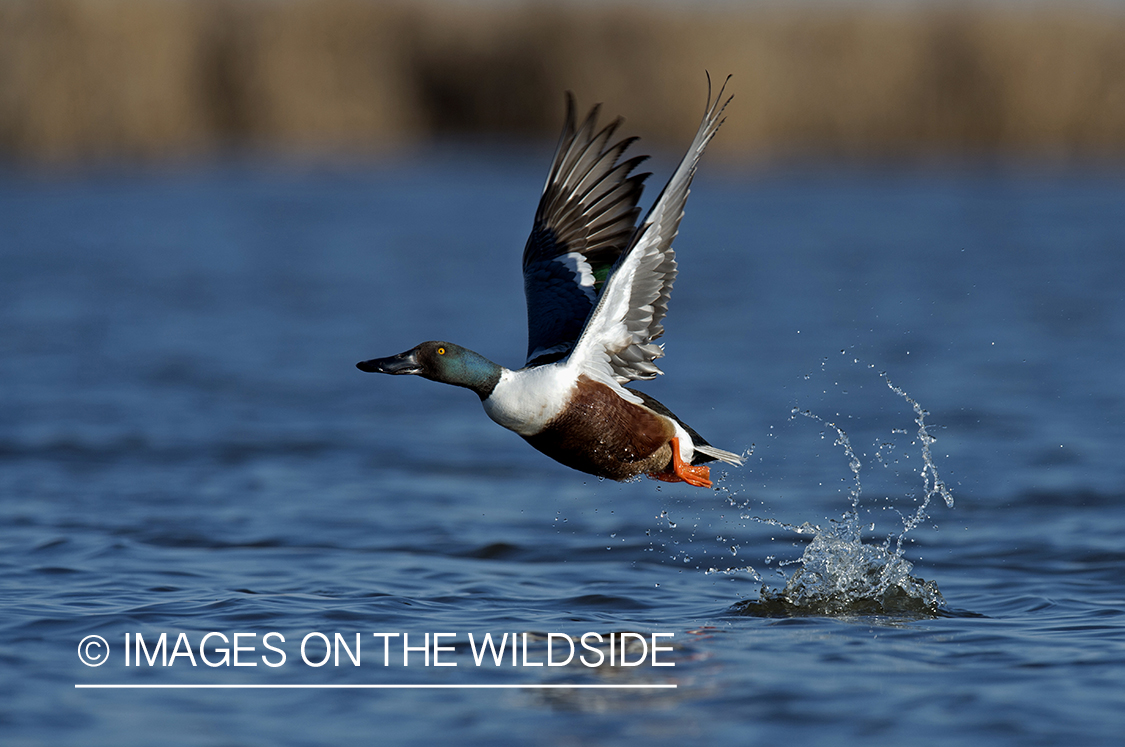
(616, 345)
(586, 216)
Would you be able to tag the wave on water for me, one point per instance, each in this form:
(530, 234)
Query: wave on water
(841, 575)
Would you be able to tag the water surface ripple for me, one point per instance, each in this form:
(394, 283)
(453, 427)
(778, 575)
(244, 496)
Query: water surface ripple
(185, 447)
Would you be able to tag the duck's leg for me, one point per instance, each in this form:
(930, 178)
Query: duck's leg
(697, 475)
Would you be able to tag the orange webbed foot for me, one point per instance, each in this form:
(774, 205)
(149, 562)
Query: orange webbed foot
(696, 475)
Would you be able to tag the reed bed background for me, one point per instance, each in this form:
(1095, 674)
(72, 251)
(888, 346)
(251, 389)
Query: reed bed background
(168, 79)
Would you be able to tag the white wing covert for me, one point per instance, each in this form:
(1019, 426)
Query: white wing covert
(617, 345)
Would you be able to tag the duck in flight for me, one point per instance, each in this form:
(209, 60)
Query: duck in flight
(597, 287)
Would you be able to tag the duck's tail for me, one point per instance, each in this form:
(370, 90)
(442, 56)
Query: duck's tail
(724, 456)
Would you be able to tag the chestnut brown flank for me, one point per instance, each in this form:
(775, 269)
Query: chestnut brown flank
(602, 434)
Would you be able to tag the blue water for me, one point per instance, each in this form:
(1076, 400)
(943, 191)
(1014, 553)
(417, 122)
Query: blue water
(186, 447)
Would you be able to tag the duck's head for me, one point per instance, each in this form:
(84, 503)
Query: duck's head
(441, 361)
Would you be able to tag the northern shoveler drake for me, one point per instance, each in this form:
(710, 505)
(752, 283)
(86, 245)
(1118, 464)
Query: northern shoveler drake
(597, 288)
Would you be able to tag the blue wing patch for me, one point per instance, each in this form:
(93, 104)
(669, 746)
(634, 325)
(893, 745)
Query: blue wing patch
(585, 219)
(564, 291)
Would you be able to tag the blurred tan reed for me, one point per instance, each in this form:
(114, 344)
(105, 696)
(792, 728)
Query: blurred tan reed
(86, 79)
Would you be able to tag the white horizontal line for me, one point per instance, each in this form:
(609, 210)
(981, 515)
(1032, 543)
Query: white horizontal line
(375, 687)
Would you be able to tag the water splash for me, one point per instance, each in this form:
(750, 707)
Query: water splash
(839, 574)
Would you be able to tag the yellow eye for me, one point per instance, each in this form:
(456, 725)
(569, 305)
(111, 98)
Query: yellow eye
(441, 351)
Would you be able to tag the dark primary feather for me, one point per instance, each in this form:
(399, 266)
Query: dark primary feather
(586, 217)
(645, 272)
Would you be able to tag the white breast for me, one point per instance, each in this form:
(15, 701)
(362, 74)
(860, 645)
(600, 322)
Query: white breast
(525, 401)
